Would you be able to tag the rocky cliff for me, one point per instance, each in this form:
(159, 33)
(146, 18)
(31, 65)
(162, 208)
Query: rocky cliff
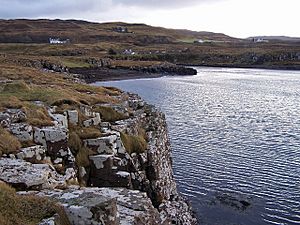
(105, 163)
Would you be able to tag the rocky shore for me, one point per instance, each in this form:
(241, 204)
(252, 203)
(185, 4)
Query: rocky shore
(121, 175)
(105, 73)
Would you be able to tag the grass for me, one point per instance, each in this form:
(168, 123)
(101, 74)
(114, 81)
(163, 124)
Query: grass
(18, 86)
(19, 91)
(10, 102)
(72, 63)
(88, 132)
(82, 157)
(8, 143)
(30, 210)
(37, 116)
(108, 114)
(47, 87)
(82, 153)
(134, 144)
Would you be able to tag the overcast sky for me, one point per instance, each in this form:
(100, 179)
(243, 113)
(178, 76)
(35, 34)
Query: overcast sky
(238, 18)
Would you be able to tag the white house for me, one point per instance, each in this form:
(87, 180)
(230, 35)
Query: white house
(128, 52)
(260, 40)
(58, 41)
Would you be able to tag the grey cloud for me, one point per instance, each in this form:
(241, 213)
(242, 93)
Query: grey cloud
(163, 3)
(71, 8)
(39, 8)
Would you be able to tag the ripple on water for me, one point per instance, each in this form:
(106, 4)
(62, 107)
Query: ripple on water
(234, 133)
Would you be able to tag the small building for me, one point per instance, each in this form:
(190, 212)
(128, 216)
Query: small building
(58, 41)
(121, 29)
(128, 52)
(260, 40)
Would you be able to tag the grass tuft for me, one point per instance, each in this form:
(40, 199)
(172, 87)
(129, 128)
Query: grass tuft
(8, 143)
(82, 157)
(30, 210)
(108, 114)
(37, 116)
(81, 152)
(134, 144)
(10, 102)
(16, 87)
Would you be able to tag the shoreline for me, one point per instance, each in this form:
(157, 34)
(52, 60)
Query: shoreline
(265, 67)
(106, 74)
(102, 75)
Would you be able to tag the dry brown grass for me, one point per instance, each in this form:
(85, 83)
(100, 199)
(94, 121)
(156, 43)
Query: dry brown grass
(134, 144)
(37, 116)
(82, 157)
(10, 102)
(81, 152)
(47, 87)
(8, 143)
(108, 114)
(30, 210)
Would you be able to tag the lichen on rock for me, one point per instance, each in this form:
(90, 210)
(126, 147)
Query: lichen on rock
(125, 164)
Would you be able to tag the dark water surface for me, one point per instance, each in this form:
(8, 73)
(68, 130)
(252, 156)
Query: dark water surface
(235, 135)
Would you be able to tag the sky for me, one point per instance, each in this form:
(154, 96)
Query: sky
(237, 18)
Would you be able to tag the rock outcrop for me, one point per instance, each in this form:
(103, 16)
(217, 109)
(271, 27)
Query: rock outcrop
(128, 172)
(93, 74)
(107, 206)
(23, 175)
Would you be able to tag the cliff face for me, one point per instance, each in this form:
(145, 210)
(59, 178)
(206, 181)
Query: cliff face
(127, 169)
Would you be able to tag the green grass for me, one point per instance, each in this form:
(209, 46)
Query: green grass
(74, 63)
(24, 92)
(30, 210)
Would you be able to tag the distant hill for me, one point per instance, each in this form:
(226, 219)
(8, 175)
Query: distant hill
(39, 31)
(278, 38)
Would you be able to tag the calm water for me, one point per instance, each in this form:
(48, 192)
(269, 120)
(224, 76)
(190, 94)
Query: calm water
(235, 136)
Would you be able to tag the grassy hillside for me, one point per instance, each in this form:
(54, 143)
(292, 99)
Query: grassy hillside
(26, 41)
(38, 31)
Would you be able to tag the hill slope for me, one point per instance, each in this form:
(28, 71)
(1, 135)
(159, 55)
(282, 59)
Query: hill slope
(135, 46)
(39, 31)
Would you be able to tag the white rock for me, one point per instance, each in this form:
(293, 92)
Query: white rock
(111, 144)
(22, 131)
(36, 152)
(72, 116)
(19, 173)
(49, 221)
(61, 120)
(99, 160)
(93, 121)
(123, 174)
(105, 206)
(50, 134)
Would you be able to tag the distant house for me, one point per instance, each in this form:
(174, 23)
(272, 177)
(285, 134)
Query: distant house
(260, 40)
(128, 52)
(58, 41)
(121, 29)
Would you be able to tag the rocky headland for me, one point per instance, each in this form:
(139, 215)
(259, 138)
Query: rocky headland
(103, 163)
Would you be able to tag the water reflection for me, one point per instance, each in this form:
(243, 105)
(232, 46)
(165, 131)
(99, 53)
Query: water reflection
(235, 136)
